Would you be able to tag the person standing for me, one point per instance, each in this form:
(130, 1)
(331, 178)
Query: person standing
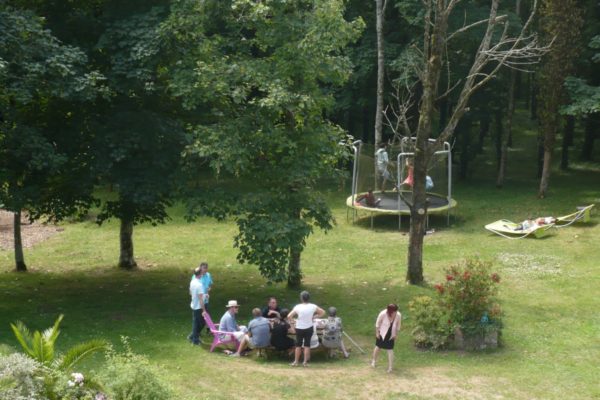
(197, 293)
(207, 282)
(383, 160)
(386, 330)
(305, 312)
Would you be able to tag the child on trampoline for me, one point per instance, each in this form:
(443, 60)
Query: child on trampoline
(368, 198)
(383, 160)
(409, 181)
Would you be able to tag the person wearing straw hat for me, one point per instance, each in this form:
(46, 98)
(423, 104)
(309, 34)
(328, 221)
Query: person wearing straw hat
(228, 322)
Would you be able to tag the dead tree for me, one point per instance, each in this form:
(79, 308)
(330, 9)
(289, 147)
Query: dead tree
(496, 50)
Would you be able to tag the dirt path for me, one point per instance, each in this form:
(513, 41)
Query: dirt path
(31, 233)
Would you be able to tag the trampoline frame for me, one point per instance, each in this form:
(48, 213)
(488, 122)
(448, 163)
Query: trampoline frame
(447, 150)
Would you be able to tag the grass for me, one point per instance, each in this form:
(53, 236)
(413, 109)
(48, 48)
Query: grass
(549, 292)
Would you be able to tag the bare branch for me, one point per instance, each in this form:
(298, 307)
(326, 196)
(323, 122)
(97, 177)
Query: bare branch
(447, 92)
(513, 52)
(451, 5)
(499, 19)
(396, 113)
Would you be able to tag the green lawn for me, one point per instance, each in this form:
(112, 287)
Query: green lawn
(549, 292)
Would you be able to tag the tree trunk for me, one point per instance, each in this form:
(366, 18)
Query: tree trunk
(126, 259)
(294, 272)
(528, 94)
(19, 258)
(567, 141)
(499, 128)
(380, 81)
(591, 123)
(549, 140)
(434, 41)
(465, 146)
(540, 156)
(418, 218)
(511, 101)
(545, 173)
(484, 128)
(380, 72)
(509, 121)
(533, 98)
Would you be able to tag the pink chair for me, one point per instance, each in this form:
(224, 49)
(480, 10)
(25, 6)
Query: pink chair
(219, 337)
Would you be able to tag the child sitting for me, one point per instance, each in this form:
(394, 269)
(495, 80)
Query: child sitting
(369, 199)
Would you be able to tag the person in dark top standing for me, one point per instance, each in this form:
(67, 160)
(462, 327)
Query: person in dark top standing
(271, 310)
(280, 331)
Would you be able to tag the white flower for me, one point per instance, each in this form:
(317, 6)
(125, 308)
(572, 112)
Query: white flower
(77, 377)
(71, 383)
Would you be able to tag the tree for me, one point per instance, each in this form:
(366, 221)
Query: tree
(560, 21)
(44, 165)
(509, 117)
(380, 6)
(496, 48)
(139, 141)
(260, 75)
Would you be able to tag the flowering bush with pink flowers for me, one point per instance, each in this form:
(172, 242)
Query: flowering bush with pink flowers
(466, 300)
(469, 295)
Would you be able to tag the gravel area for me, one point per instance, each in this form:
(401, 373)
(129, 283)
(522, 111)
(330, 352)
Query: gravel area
(31, 233)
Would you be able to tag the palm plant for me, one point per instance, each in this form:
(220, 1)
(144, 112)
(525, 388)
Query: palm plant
(41, 346)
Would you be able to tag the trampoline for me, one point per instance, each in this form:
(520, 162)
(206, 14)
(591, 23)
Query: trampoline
(391, 202)
(438, 204)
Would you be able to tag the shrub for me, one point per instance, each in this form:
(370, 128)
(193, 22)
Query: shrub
(465, 300)
(41, 346)
(21, 378)
(129, 376)
(432, 325)
(468, 294)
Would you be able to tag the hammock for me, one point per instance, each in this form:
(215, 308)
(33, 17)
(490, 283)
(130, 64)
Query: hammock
(510, 230)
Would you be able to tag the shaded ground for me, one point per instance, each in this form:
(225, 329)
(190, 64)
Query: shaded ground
(31, 233)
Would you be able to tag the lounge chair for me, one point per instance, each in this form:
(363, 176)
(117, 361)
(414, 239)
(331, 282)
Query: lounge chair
(509, 229)
(583, 214)
(219, 337)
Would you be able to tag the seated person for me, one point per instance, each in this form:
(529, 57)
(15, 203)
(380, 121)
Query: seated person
(271, 310)
(280, 331)
(228, 322)
(259, 333)
(332, 333)
(368, 198)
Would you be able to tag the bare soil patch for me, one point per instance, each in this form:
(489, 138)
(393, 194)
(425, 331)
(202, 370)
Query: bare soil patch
(31, 233)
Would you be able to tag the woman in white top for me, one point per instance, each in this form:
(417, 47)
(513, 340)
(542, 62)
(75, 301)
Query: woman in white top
(386, 329)
(305, 312)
